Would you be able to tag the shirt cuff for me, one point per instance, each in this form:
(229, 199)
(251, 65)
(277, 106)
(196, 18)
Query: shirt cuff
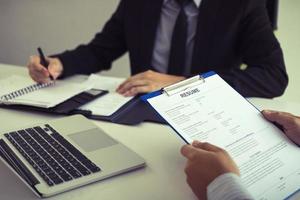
(227, 187)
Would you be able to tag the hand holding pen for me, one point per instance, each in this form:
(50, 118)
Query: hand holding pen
(44, 69)
(44, 62)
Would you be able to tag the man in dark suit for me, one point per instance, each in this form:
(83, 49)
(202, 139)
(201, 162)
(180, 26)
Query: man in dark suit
(170, 40)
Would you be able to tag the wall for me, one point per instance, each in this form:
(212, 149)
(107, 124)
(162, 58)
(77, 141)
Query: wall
(55, 25)
(288, 35)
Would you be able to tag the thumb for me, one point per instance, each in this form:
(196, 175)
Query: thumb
(54, 68)
(189, 151)
(281, 118)
(206, 146)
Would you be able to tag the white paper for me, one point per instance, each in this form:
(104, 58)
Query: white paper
(45, 97)
(108, 104)
(13, 83)
(268, 161)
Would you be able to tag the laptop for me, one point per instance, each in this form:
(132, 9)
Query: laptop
(64, 154)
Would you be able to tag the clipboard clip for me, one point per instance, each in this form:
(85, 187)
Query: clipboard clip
(183, 85)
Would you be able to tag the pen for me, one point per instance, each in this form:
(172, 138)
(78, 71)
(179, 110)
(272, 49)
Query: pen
(43, 60)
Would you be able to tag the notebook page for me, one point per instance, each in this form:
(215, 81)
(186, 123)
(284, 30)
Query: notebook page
(109, 103)
(45, 97)
(213, 112)
(13, 83)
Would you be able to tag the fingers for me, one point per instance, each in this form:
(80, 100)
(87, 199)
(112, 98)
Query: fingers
(198, 148)
(189, 152)
(145, 82)
(131, 79)
(37, 72)
(133, 86)
(206, 146)
(40, 73)
(137, 90)
(139, 83)
(54, 68)
(34, 63)
(289, 122)
(281, 118)
(196, 143)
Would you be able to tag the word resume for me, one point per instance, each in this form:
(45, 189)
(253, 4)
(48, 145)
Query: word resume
(213, 112)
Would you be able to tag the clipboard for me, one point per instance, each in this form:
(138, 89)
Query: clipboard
(180, 86)
(175, 89)
(218, 114)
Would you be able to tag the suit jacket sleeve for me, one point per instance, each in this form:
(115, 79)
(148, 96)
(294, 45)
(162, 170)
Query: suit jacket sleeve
(97, 55)
(265, 75)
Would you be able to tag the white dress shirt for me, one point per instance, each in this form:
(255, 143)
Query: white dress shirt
(227, 187)
(162, 45)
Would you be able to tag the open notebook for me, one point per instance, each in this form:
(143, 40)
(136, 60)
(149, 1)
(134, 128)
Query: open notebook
(19, 90)
(95, 98)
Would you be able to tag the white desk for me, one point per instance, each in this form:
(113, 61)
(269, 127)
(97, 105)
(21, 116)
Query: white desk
(162, 178)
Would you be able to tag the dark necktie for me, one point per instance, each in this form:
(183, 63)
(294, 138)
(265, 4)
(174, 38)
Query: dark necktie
(178, 43)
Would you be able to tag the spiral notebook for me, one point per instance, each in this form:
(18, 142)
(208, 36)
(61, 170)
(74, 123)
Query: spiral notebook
(19, 90)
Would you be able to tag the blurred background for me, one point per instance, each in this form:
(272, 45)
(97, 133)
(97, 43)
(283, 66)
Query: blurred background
(56, 25)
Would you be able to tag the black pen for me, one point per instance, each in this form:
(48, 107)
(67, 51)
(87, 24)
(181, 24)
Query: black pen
(43, 60)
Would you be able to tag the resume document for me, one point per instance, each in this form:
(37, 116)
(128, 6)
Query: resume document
(213, 112)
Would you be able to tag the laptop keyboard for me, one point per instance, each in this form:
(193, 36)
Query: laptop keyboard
(54, 158)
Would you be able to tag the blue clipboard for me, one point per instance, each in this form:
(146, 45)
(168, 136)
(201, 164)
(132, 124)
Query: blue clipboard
(161, 91)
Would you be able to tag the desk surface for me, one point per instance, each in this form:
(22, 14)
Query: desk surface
(162, 178)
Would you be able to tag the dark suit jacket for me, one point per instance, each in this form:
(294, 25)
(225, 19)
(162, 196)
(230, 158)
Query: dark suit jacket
(230, 32)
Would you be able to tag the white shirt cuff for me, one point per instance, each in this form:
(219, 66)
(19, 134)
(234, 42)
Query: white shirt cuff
(227, 187)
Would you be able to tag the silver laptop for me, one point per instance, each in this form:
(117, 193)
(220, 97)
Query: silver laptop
(64, 154)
